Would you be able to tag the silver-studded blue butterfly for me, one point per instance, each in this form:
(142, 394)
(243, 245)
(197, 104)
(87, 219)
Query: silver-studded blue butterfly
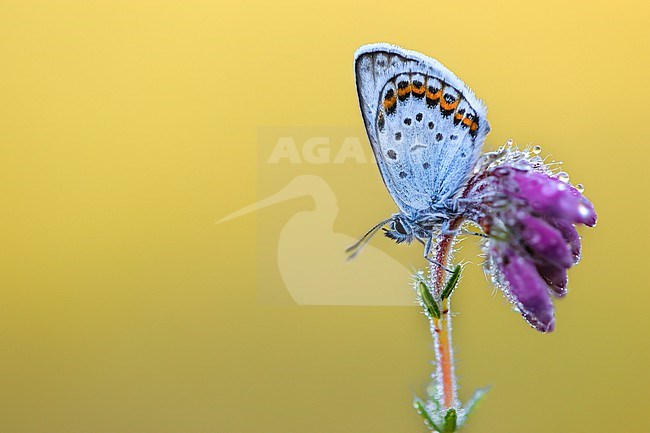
(426, 129)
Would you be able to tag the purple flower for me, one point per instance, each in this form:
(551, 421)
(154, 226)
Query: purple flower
(546, 195)
(529, 215)
(526, 289)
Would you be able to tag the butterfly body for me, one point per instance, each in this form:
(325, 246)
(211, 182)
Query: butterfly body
(426, 129)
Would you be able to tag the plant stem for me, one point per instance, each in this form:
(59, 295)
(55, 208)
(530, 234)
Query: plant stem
(445, 377)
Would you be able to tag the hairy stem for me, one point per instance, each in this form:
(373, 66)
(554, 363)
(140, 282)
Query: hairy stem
(445, 377)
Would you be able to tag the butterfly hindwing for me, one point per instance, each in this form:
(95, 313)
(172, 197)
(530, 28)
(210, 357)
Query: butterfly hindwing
(425, 126)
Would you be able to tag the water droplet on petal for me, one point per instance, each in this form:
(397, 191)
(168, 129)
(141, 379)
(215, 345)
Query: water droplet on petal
(563, 176)
(536, 160)
(580, 187)
(537, 150)
(522, 164)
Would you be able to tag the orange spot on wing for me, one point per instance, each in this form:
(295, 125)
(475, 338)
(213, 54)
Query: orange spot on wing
(467, 121)
(474, 126)
(388, 103)
(435, 95)
(447, 106)
(406, 90)
(418, 90)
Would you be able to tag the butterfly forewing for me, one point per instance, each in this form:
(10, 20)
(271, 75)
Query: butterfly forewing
(425, 126)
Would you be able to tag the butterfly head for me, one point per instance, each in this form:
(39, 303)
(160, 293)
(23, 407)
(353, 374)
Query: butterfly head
(401, 229)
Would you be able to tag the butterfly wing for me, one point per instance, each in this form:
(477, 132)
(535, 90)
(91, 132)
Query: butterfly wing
(425, 126)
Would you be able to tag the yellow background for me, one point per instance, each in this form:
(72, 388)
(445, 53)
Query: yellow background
(127, 128)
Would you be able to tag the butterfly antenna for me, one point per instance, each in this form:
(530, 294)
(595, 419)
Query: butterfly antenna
(355, 249)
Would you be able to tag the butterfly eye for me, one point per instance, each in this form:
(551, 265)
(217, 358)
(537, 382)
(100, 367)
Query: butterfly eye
(399, 227)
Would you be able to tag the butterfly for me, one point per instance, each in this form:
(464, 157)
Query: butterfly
(426, 129)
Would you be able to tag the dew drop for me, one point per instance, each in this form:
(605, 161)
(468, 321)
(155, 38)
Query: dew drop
(580, 187)
(522, 164)
(537, 150)
(563, 176)
(536, 160)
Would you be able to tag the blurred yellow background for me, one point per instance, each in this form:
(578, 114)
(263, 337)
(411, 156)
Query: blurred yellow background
(129, 127)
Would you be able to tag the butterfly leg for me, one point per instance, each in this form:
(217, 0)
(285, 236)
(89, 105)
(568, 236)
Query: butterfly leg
(428, 246)
(463, 232)
(469, 232)
(445, 230)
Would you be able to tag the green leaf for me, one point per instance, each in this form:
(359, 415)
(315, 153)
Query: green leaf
(475, 401)
(451, 283)
(429, 302)
(422, 410)
(450, 421)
